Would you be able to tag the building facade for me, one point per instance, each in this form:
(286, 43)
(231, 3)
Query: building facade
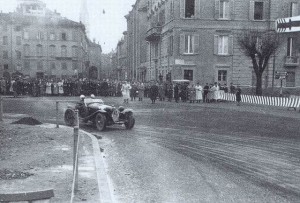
(198, 40)
(37, 42)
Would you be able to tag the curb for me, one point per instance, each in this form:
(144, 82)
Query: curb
(105, 191)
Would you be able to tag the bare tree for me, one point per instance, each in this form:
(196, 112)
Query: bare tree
(259, 46)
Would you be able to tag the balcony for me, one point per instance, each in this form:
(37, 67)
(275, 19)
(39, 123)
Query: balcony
(291, 61)
(153, 34)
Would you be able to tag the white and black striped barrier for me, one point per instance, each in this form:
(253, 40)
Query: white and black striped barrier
(292, 102)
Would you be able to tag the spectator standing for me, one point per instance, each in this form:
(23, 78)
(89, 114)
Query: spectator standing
(199, 93)
(238, 95)
(48, 88)
(170, 91)
(126, 92)
(153, 92)
(232, 88)
(205, 93)
(192, 93)
(161, 92)
(176, 93)
(141, 89)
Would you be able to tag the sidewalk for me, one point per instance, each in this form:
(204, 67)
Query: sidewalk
(40, 157)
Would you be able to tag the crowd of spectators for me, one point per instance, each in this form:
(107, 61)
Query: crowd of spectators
(185, 91)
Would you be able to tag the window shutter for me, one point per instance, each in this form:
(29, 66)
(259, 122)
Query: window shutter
(181, 44)
(232, 11)
(182, 8)
(251, 10)
(216, 40)
(230, 45)
(197, 9)
(217, 9)
(196, 44)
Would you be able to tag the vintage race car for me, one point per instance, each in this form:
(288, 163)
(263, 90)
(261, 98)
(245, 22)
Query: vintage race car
(100, 114)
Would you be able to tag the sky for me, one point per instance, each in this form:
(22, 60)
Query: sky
(106, 27)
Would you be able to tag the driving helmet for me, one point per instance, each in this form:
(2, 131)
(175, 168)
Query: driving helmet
(82, 97)
(92, 96)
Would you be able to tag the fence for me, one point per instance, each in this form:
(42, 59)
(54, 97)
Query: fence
(291, 102)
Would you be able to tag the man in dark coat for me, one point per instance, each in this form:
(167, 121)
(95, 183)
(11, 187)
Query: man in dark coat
(153, 92)
(176, 93)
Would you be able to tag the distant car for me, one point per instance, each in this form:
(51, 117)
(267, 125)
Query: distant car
(100, 114)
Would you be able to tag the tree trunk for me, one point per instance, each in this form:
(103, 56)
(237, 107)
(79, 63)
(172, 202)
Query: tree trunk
(259, 84)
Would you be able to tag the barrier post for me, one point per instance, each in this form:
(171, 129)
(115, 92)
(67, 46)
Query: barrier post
(75, 150)
(1, 108)
(57, 125)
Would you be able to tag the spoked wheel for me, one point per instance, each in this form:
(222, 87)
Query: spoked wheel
(130, 122)
(70, 117)
(100, 121)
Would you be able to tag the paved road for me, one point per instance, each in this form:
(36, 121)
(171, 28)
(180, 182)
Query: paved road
(198, 152)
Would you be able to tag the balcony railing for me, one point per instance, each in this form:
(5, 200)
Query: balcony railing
(153, 34)
(291, 61)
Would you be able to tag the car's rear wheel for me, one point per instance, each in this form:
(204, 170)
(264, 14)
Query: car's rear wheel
(100, 121)
(130, 122)
(70, 118)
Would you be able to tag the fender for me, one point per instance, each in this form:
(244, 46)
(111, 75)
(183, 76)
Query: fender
(127, 111)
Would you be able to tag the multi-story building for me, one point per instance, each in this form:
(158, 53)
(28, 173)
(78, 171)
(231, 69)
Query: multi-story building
(122, 59)
(37, 42)
(198, 40)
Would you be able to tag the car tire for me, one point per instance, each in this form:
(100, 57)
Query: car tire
(130, 122)
(100, 121)
(70, 118)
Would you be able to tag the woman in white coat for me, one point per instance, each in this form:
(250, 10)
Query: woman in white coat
(199, 92)
(126, 91)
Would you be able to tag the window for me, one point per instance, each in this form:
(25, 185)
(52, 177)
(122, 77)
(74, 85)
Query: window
(289, 46)
(26, 35)
(172, 9)
(156, 50)
(75, 65)
(64, 36)
(188, 75)
(27, 65)
(189, 8)
(5, 66)
(188, 44)
(294, 9)
(52, 65)
(74, 51)
(224, 9)
(5, 40)
(5, 28)
(52, 36)
(39, 50)
(170, 47)
(40, 35)
(5, 54)
(74, 36)
(52, 51)
(18, 40)
(290, 79)
(18, 28)
(64, 66)
(222, 76)
(258, 10)
(223, 45)
(40, 65)
(19, 55)
(64, 51)
(26, 50)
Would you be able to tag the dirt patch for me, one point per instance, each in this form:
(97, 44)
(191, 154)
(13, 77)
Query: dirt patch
(27, 121)
(7, 174)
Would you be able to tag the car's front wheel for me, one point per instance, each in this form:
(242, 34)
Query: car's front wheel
(100, 121)
(70, 118)
(130, 122)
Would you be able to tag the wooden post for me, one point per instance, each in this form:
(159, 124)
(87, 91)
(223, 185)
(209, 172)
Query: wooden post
(1, 108)
(75, 150)
(57, 125)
